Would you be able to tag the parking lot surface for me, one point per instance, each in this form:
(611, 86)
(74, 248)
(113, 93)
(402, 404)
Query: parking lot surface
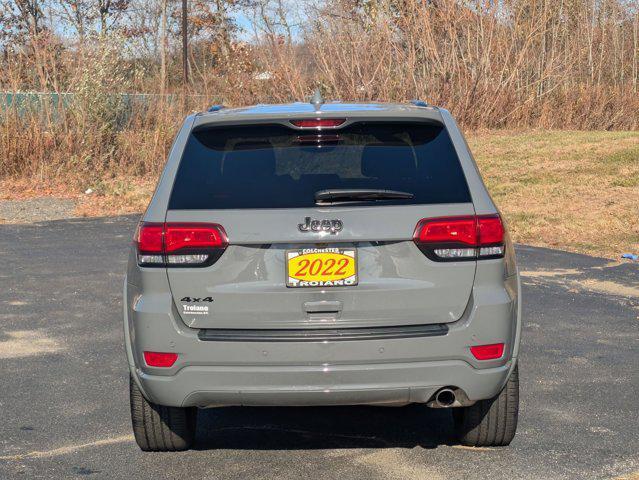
(64, 395)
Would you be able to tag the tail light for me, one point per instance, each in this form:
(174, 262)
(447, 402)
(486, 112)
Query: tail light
(487, 352)
(179, 244)
(318, 122)
(460, 238)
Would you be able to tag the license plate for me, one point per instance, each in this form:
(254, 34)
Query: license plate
(321, 267)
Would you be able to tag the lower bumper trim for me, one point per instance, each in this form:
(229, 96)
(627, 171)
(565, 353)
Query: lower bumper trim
(321, 334)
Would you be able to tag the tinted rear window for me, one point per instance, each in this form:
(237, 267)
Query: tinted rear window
(272, 166)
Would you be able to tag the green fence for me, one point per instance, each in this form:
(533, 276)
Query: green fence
(52, 102)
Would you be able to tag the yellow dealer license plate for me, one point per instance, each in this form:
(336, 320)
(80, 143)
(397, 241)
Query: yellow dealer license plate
(321, 267)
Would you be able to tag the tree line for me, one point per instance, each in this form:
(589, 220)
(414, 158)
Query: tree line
(546, 63)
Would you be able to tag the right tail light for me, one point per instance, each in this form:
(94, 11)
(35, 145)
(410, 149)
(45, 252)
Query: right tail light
(174, 244)
(460, 238)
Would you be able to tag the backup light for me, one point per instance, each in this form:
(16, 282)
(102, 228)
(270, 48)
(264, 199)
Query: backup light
(150, 258)
(181, 259)
(455, 252)
(491, 251)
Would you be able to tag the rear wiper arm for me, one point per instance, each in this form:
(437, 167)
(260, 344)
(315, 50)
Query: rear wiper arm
(354, 195)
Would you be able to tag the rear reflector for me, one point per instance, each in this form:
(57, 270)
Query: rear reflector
(487, 352)
(160, 359)
(461, 238)
(179, 244)
(318, 122)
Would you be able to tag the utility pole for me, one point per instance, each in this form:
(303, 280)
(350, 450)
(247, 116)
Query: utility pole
(185, 46)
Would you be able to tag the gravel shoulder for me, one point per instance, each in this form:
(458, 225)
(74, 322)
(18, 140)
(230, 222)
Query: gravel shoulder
(36, 209)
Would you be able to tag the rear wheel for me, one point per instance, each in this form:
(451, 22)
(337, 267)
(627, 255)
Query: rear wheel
(492, 422)
(158, 428)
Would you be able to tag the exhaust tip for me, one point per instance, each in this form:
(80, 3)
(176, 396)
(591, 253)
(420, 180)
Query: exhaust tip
(445, 398)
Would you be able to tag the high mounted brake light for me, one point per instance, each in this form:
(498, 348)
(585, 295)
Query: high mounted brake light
(460, 238)
(318, 122)
(179, 244)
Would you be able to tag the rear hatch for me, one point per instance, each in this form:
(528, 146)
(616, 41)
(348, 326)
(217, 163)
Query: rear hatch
(315, 238)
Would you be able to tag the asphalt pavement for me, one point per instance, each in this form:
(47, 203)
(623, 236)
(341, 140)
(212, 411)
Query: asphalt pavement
(64, 410)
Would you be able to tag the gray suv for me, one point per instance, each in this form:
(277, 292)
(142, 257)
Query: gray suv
(321, 253)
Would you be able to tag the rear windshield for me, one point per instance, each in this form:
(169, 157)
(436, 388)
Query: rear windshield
(272, 166)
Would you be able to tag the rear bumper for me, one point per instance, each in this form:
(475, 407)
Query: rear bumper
(396, 383)
(363, 371)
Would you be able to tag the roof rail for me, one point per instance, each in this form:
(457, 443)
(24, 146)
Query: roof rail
(216, 108)
(419, 103)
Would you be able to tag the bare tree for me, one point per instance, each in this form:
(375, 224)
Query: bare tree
(21, 19)
(164, 43)
(109, 12)
(77, 14)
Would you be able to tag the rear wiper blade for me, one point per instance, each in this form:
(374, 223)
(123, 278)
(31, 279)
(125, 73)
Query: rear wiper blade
(354, 195)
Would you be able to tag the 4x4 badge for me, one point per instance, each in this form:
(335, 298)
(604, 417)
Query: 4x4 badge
(331, 226)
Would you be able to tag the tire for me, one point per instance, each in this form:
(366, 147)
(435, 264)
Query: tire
(158, 428)
(492, 422)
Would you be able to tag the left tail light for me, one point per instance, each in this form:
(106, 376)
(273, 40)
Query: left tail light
(179, 244)
(468, 237)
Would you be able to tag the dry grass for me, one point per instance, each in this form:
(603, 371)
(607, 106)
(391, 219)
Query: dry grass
(572, 190)
(630, 476)
(117, 197)
(577, 191)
